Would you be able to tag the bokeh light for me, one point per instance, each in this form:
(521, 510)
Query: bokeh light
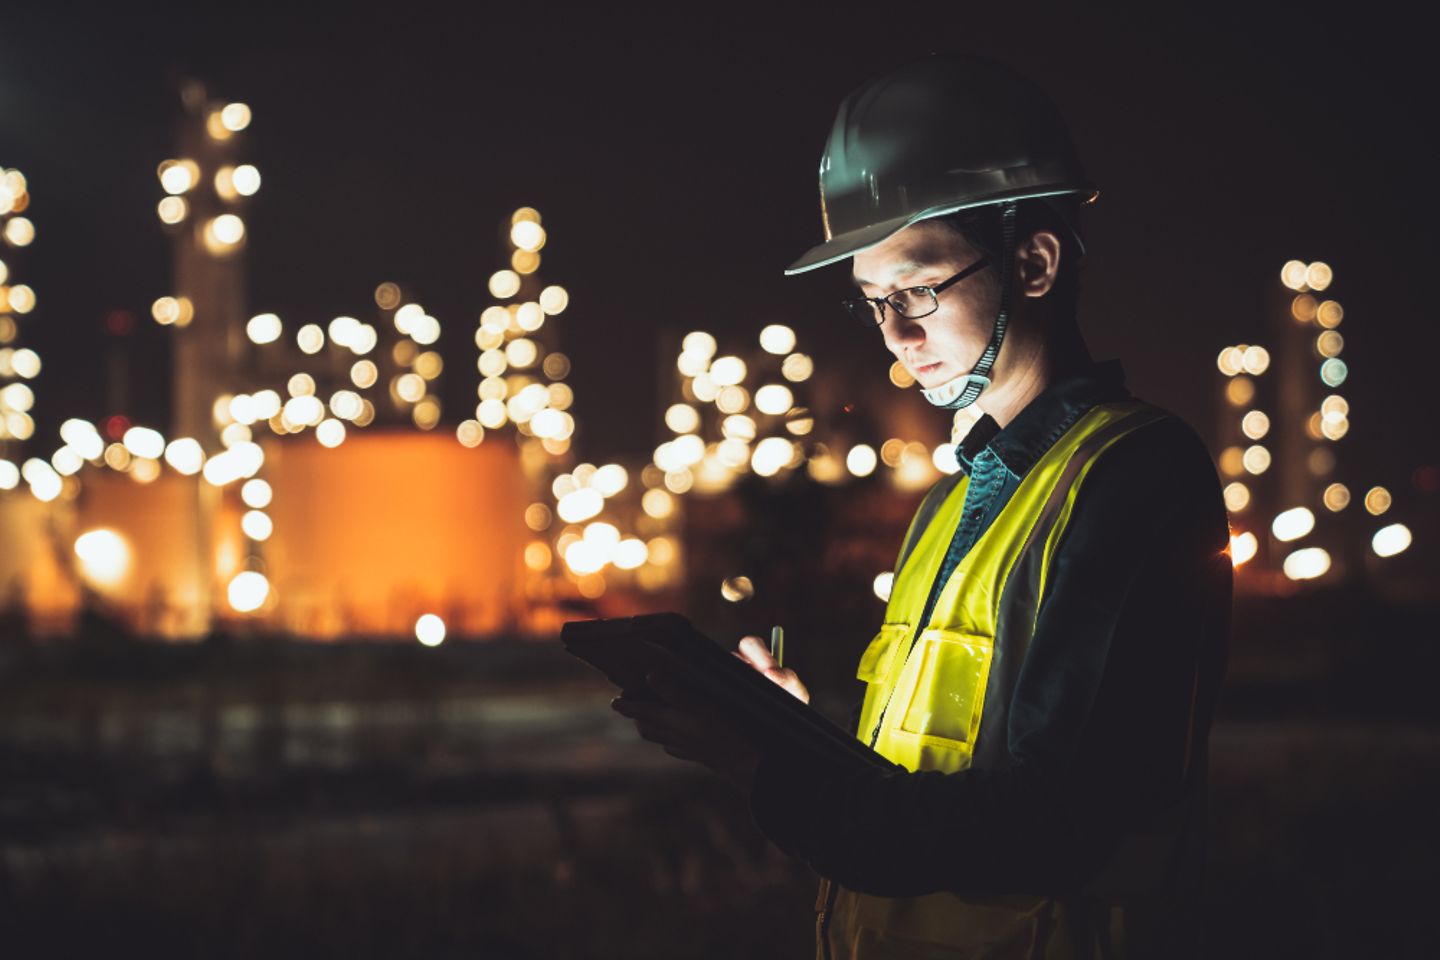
(1237, 496)
(737, 589)
(1307, 564)
(248, 591)
(430, 630)
(1243, 547)
(1256, 459)
(1336, 497)
(1377, 501)
(861, 460)
(777, 338)
(1293, 524)
(104, 557)
(883, 584)
(1388, 541)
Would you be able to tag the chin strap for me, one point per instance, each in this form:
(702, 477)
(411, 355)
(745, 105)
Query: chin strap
(964, 389)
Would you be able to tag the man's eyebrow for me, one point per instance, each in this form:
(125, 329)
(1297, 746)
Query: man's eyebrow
(901, 269)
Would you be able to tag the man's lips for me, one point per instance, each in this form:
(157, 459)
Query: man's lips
(927, 368)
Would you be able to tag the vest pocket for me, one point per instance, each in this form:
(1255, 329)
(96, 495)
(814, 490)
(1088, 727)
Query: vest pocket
(879, 656)
(949, 689)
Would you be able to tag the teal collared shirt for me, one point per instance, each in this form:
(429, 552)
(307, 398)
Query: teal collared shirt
(997, 460)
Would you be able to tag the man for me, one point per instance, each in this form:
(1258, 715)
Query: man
(1055, 637)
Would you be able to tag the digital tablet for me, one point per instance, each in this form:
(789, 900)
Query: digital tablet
(626, 648)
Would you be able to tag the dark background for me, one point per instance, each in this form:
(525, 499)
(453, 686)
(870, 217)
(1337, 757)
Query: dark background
(479, 800)
(672, 152)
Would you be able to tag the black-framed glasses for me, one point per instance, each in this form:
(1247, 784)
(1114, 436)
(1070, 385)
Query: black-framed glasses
(911, 303)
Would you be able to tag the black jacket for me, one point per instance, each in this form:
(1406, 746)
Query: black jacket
(1109, 714)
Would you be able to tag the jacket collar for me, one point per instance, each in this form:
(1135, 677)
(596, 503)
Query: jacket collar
(1035, 428)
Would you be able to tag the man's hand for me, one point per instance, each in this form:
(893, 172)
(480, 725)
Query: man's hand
(755, 652)
(689, 727)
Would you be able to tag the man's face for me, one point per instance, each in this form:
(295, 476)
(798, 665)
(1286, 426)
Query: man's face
(947, 343)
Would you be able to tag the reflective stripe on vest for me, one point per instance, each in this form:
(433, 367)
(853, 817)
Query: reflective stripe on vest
(937, 694)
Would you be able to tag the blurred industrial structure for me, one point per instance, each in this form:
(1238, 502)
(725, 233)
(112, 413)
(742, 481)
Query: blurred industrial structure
(392, 520)
(1301, 511)
(380, 524)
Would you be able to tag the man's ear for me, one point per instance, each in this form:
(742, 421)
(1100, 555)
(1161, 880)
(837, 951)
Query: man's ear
(1038, 263)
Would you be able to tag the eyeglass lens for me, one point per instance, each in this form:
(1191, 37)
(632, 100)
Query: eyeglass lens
(913, 302)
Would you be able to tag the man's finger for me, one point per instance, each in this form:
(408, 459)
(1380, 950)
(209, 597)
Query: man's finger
(756, 652)
(789, 680)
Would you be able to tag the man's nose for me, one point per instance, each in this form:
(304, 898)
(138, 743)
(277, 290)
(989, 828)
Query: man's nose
(901, 331)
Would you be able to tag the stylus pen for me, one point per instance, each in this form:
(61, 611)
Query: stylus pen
(777, 645)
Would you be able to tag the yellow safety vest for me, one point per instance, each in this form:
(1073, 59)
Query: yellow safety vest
(929, 698)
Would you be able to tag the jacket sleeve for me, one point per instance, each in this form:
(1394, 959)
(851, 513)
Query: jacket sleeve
(1101, 717)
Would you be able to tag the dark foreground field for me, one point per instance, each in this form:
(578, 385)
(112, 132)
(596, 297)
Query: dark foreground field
(481, 800)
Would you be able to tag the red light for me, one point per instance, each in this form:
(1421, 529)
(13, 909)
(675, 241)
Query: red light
(116, 426)
(119, 322)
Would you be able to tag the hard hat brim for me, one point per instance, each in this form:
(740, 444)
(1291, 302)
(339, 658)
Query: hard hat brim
(838, 248)
(847, 244)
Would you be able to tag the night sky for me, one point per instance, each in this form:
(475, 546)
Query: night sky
(673, 156)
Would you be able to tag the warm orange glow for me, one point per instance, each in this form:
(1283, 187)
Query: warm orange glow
(1329, 314)
(1293, 275)
(1303, 308)
(104, 557)
(1230, 361)
(1240, 391)
(1243, 547)
(736, 589)
(537, 556)
(1337, 497)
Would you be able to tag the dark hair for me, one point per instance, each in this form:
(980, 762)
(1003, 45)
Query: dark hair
(982, 229)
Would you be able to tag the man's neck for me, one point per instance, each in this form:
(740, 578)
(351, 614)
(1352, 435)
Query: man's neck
(1051, 362)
